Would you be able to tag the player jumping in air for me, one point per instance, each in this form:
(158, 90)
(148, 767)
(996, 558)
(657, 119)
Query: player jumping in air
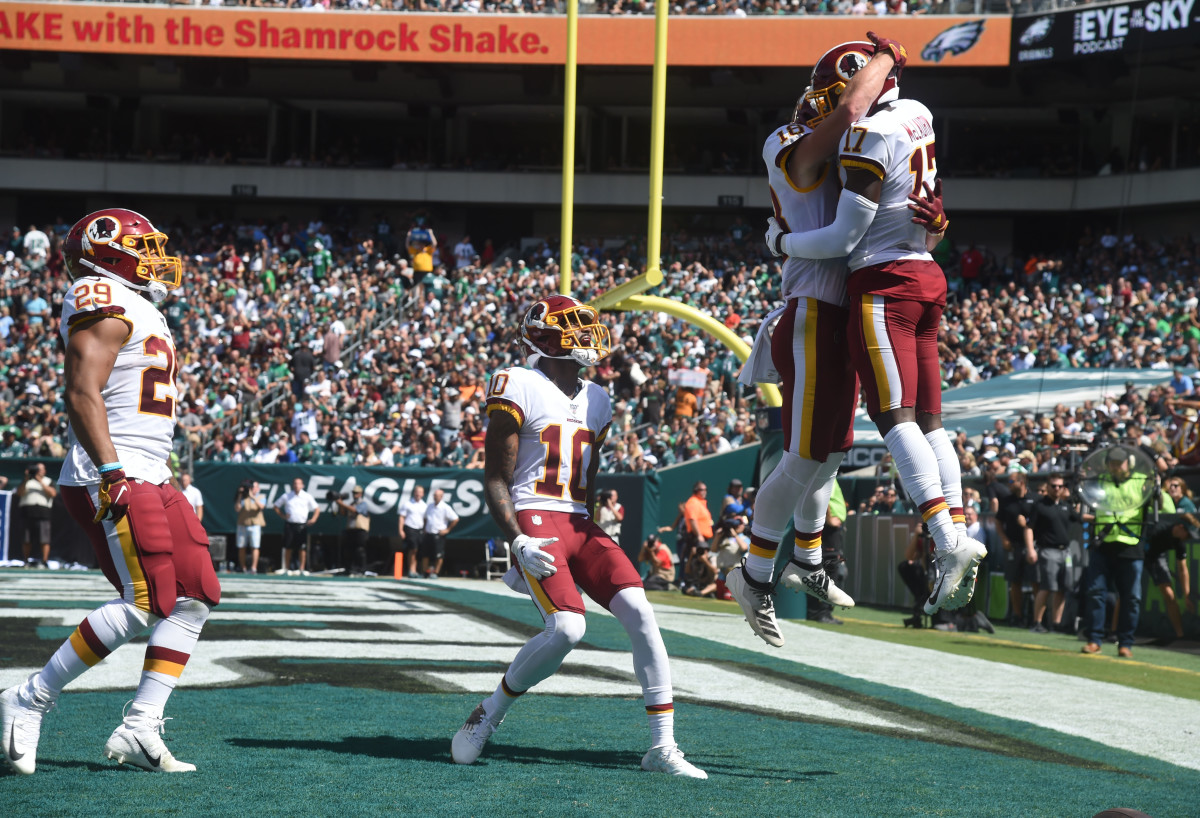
(807, 348)
(120, 398)
(897, 293)
(541, 457)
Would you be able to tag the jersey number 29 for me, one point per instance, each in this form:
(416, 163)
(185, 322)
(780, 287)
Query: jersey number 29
(155, 378)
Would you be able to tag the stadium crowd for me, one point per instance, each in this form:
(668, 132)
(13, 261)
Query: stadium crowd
(269, 306)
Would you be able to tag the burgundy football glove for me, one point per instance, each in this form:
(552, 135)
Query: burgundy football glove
(928, 211)
(115, 493)
(897, 50)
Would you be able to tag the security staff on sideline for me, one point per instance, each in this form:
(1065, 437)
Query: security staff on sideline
(1116, 555)
(439, 519)
(412, 528)
(1047, 540)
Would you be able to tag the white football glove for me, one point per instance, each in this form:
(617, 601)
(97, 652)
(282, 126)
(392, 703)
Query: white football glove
(774, 231)
(532, 557)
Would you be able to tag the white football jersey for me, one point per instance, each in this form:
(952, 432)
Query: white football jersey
(140, 395)
(896, 144)
(560, 435)
(800, 209)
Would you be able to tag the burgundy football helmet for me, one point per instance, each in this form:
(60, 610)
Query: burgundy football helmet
(834, 70)
(122, 245)
(561, 327)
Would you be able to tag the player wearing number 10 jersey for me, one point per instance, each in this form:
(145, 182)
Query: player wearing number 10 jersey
(545, 427)
(120, 398)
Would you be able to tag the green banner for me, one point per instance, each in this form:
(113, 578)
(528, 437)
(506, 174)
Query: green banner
(384, 490)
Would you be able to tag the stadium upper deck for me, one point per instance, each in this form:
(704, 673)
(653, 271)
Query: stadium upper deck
(466, 110)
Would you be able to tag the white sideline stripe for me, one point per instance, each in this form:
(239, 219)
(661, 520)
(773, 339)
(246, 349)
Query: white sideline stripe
(1149, 724)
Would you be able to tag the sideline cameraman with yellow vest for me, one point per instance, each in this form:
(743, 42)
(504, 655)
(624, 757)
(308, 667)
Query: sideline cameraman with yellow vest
(1116, 555)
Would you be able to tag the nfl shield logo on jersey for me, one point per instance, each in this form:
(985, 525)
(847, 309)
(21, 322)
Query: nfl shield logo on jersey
(536, 519)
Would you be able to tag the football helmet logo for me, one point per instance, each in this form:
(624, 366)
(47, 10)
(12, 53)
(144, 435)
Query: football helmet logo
(835, 69)
(122, 245)
(561, 327)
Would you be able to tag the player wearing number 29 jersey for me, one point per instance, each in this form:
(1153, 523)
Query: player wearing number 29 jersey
(140, 395)
(120, 396)
(545, 427)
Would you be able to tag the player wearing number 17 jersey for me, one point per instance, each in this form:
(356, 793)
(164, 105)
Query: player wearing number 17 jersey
(120, 398)
(541, 456)
(808, 344)
(897, 293)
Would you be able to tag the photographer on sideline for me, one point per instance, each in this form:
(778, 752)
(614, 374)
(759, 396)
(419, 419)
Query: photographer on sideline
(662, 567)
(294, 507)
(36, 497)
(412, 528)
(610, 514)
(358, 526)
(250, 522)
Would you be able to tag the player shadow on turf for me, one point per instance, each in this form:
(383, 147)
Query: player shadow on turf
(438, 750)
(89, 766)
(435, 750)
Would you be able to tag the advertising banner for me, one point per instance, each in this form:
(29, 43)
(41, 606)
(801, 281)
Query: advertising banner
(1137, 28)
(384, 490)
(482, 38)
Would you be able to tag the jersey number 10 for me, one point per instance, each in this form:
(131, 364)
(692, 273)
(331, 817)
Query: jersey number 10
(549, 485)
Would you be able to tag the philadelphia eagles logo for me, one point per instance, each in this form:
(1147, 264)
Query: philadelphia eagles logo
(954, 40)
(1037, 31)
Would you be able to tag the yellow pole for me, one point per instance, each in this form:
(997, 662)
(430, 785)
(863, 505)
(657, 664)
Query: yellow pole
(658, 109)
(635, 286)
(568, 177)
(684, 312)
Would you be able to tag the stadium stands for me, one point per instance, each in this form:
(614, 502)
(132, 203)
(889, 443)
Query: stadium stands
(396, 372)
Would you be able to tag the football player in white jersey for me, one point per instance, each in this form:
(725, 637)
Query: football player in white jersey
(120, 397)
(808, 346)
(545, 428)
(897, 293)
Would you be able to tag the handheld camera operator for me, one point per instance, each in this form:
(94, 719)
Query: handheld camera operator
(250, 522)
(358, 525)
(36, 497)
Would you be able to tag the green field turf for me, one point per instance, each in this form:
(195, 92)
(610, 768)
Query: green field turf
(339, 697)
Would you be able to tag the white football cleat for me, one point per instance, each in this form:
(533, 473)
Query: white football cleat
(142, 746)
(469, 740)
(815, 583)
(956, 570)
(756, 603)
(669, 759)
(21, 726)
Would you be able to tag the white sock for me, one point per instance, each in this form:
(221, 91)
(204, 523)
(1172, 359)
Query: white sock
(100, 633)
(536, 661)
(918, 469)
(811, 508)
(650, 663)
(171, 644)
(951, 475)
